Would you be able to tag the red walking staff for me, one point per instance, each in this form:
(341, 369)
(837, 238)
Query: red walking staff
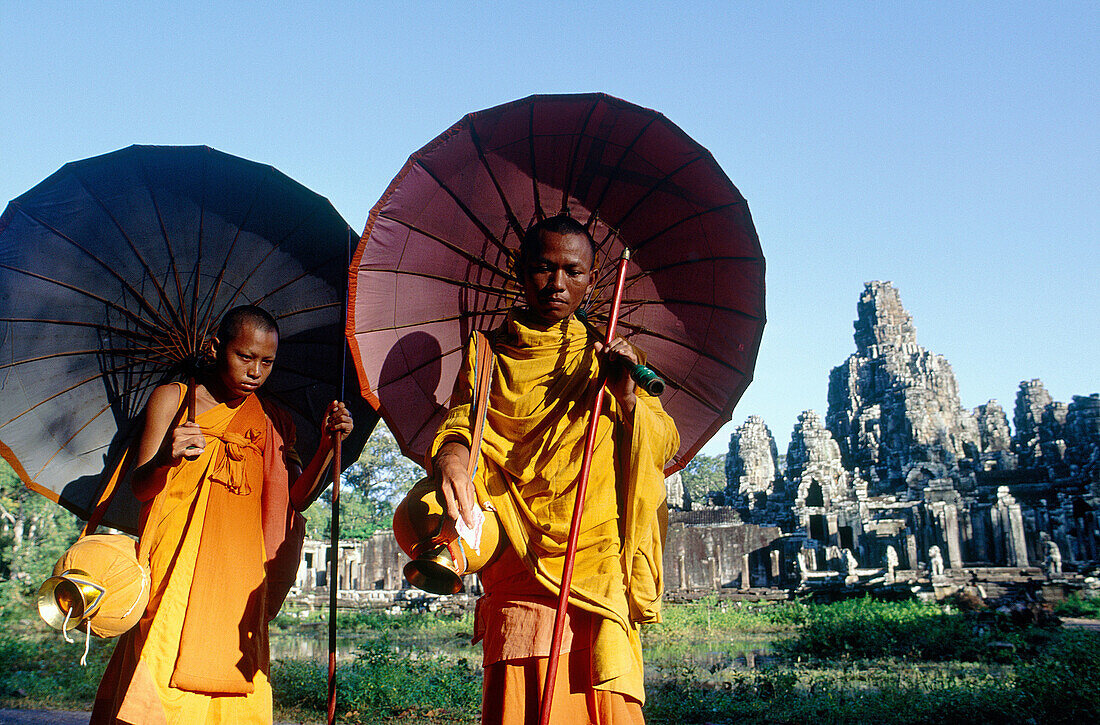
(578, 508)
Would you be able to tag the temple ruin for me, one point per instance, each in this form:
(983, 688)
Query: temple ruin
(898, 482)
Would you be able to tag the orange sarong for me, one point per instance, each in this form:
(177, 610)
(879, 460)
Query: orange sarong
(199, 653)
(515, 622)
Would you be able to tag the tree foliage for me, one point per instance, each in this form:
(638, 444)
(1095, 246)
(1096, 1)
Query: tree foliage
(34, 532)
(372, 486)
(704, 477)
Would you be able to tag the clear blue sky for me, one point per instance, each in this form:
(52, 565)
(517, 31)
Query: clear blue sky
(951, 147)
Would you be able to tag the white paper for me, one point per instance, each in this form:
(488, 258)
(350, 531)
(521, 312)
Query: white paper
(471, 534)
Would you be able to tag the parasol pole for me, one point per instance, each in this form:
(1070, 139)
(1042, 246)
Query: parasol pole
(334, 581)
(578, 507)
(192, 398)
(334, 529)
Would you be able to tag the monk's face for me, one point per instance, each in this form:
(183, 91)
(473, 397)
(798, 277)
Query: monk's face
(245, 361)
(558, 275)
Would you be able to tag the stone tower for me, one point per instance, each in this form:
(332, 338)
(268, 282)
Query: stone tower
(751, 464)
(1083, 437)
(1031, 400)
(995, 435)
(814, 469)
(893, 404)
(995, 438)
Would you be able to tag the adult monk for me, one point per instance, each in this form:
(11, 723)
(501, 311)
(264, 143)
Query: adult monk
(548, 369)
(221, 533)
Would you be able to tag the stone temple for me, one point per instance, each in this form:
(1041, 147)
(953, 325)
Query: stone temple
(898, 484)
(899, 474)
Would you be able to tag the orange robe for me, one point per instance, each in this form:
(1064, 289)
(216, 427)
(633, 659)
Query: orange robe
(200, 652)
(530, 459)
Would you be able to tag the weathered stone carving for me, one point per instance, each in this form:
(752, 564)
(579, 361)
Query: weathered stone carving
(935, 560)
(676, 492)
(1052, 562)
(891, 563)
(893, 403)
(751, 468)
(1032, 399)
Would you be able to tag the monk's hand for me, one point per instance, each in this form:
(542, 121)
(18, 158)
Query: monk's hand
(186, 441)
(459, 496)
(617, 360)
(337, 421)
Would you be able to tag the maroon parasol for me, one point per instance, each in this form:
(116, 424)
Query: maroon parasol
(436, 258)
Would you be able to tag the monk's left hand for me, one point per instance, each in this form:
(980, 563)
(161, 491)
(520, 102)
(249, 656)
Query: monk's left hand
(618, 359)
(337, 420)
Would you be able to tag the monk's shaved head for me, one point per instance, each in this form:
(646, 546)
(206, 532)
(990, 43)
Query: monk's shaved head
(234, 321)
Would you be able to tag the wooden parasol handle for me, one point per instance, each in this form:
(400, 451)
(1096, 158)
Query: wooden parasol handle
(578, 508)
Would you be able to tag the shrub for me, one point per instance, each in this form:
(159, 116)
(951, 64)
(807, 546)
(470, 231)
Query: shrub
(865, 628)
(379, 684)
(1062, 684)
(779, 697)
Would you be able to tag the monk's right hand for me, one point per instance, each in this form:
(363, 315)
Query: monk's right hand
(455, 483)
(187, 441)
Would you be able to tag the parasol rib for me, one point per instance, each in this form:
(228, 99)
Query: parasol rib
(69, 440)
(469, 257)
(694, 303)
(314, 211)
(61, 235)
(90, 295)
(162, 293)
(305, 274)
(133, 334)
(193, 330)
(534, 167)
(692, 217)
(569, 177)
(475, 286)
(58, 394)
(614, 174)
(216, 287)
(513, 221)
(458, 202)
(658, 182)
(650, 272)
(686, 389)
(177, 319)
(639, 330)
(118, 351)
(306, 310)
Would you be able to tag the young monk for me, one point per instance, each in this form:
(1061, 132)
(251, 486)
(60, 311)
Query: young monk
(221, 533)
(548, 369)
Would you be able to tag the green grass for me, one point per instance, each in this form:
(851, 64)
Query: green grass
(291, 620)
(859, 661)
(46, 671)
(1078, 606)
(713, 615)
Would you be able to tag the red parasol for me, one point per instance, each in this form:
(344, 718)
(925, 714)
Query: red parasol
(435, 260)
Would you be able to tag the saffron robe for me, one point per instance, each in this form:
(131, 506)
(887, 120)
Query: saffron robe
(221, 545)
(530, 458)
